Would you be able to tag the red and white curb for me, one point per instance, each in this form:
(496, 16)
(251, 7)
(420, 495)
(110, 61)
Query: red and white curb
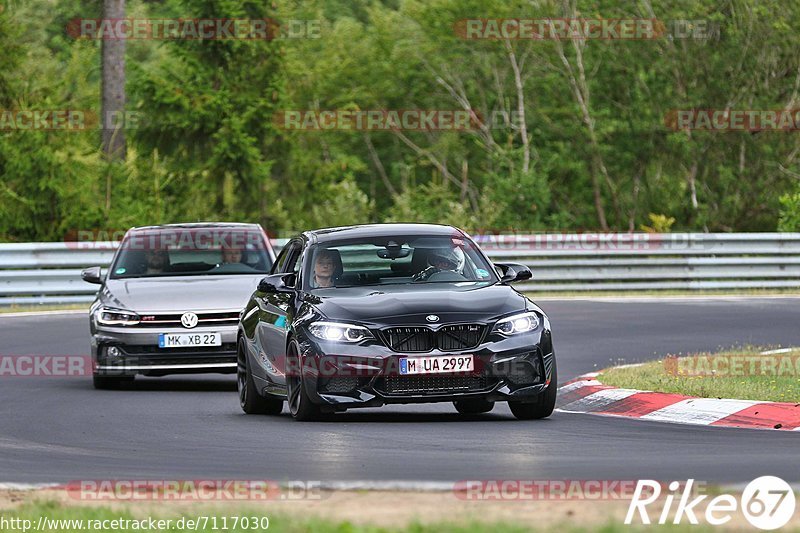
(586, 394)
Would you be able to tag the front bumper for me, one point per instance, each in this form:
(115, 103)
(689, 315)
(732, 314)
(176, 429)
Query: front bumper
(137, 352)
(506, 369)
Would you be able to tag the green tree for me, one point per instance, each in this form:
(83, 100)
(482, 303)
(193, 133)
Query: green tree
(207, 108)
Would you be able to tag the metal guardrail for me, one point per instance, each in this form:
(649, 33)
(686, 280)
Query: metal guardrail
(49, 273)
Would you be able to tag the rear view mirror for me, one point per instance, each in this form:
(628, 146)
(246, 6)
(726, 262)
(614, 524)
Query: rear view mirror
(394, 251)
(394, 254)
(277, 283)
(513, 272)
(92, 275)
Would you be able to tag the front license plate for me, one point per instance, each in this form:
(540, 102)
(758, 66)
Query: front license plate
(188, 340)
(436, 364)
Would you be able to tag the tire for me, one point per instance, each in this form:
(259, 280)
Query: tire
(544, 404)
(250, 400)
(111, 383)
(473, 407)
(301, 407)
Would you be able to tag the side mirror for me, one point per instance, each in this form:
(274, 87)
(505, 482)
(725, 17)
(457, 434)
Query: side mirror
(513, 272)
(92, 275)
(277, 283)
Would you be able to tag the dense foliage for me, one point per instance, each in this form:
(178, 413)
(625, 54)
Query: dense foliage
(585, 145)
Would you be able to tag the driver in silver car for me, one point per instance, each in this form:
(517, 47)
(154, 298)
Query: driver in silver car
(157, 262)
(231, 255)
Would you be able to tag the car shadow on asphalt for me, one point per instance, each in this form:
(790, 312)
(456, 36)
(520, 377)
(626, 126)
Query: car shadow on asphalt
(378, 415)
(170, 385)
(411, 417)
(184, 385)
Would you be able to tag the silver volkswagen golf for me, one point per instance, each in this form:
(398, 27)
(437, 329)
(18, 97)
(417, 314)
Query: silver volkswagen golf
(170, 301)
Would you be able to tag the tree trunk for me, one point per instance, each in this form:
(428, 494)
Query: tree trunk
(113, 68)
(523, 128)
(580, 91)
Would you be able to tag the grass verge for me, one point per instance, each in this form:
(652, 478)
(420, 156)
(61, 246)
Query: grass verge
(61, 518)
(740, 374)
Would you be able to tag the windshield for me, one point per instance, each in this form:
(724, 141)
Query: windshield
(397, 260)
(191, 252)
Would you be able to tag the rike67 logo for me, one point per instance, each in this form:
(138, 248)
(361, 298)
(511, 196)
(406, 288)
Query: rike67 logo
(767, 503)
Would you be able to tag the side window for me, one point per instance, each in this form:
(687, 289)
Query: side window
(297, 263)
(283, 258)
(292, 261)
(279, 262)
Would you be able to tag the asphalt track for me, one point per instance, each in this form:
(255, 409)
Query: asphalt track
(61, 429)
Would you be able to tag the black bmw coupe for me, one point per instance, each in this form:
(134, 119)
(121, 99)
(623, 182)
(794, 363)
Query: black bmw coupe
(370, 315)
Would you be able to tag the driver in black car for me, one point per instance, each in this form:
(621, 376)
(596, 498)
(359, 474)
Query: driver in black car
(440, 260)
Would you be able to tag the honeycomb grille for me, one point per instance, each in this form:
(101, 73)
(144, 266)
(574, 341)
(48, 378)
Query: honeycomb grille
(433, 384)
(340, 385)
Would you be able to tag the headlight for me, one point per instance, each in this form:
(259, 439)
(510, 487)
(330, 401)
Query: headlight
(116, 317)
(521, 323)
(334, 331)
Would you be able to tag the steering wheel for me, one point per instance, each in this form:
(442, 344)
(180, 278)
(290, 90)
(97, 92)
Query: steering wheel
(424, 275)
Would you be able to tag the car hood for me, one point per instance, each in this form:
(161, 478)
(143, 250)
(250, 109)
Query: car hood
(403, 304)
(180, 293)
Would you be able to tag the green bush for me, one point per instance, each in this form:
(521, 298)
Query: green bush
(790, 212)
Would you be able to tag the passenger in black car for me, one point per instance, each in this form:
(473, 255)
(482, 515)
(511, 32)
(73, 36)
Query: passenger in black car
(327, 268)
